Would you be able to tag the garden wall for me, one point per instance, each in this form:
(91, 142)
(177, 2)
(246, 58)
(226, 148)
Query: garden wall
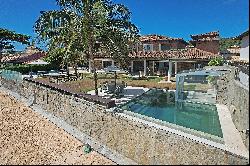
(235, 95)
(136, 140)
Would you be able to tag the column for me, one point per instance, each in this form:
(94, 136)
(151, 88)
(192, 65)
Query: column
(153, 67)
(175, 69)
(145, 68)
(132, 66)
(90, 66)
(169, 71)
(102, 64)
(113, 63)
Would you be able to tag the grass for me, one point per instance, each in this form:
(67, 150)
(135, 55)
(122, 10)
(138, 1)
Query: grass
(87, 83)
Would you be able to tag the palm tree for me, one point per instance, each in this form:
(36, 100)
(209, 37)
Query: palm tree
(82, 29)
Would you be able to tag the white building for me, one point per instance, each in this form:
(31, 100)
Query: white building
(244, 50)
(244, 57)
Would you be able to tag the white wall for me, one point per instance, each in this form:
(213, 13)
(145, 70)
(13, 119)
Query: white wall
(244, 51)
(244, 78)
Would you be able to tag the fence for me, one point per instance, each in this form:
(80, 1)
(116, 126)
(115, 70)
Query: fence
(11, 75)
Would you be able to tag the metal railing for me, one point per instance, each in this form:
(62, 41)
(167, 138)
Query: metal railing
(11, 75)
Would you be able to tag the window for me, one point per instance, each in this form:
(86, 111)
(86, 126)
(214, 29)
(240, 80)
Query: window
(165, 47)
(148, 47)
(107, 63)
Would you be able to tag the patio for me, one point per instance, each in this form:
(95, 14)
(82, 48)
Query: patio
(128, 93)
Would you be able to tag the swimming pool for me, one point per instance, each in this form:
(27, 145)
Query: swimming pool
(159, 104)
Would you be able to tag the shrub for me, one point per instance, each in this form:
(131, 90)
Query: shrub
(218, 61)
(25, 69)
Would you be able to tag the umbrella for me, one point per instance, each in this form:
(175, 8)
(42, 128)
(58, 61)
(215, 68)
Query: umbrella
(114, 69)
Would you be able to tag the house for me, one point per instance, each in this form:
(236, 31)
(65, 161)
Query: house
(31, 53)
(231, 53)
(243, 62)
(209, 42)
(244, 46)
(156, 54)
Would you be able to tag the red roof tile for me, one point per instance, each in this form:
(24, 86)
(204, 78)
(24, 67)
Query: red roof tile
(154, 37)
(188, 53)
(22, 58)
(206, 36)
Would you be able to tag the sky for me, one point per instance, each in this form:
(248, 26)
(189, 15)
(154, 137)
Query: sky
(173, 18)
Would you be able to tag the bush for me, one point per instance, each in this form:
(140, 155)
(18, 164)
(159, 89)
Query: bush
(218, 61)
(25, 69)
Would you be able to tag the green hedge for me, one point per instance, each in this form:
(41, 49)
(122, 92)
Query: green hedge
(25, 69)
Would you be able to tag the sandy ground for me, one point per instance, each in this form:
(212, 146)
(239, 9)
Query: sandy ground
(28, 138)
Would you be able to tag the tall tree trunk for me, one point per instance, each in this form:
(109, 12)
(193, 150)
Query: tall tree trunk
(95, 79)
(92, 63)
(91, 41)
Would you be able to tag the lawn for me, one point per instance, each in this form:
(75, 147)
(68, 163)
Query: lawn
(87, 82)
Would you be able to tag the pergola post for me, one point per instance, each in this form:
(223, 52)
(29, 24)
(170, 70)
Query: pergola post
(90, 67)
(145, 68)
(153, 67)
(102, 64)
(169, 71)
(175, 69)
(132, 66)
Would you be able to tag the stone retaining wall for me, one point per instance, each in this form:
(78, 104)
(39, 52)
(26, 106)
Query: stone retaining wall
(138, 141)
(236, 96)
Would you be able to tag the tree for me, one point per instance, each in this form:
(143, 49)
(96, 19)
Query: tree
(226, 43)
(7, 38)
(87, 28)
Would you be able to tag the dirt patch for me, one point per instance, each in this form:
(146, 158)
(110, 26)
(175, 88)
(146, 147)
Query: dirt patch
(28, 138)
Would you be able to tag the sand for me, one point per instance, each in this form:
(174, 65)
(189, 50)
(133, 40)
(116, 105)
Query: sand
(28, 138)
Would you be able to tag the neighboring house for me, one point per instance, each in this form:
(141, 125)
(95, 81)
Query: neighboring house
(155, 54)
(244, 46)
(231, 53)
(209, 42)
(243, 62)
(30, 54)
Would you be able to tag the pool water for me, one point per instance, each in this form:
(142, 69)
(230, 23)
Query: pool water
(161, 105)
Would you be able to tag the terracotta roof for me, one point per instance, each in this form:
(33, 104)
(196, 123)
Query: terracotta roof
(155, 37)
(188, 53)
(22, 58)
(206, 36)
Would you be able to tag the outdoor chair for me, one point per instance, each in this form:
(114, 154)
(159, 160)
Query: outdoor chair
(118, 91)
(61, 79)
(124, 84)
(73, 77)
(104, 86)
(66, 78)
(111, 88)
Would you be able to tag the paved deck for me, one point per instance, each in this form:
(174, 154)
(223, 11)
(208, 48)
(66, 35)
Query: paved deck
(208, 97)
(128, 94)
(231, 135)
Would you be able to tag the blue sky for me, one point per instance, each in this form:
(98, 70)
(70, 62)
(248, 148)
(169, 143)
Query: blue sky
(174, 18)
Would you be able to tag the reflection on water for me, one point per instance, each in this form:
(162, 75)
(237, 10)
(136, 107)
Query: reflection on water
(161, 105)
